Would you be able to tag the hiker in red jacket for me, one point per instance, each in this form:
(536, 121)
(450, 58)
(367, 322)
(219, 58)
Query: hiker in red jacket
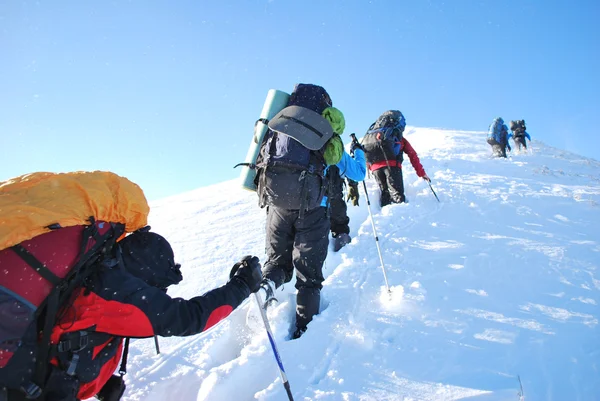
(127, 298)
(384, 146)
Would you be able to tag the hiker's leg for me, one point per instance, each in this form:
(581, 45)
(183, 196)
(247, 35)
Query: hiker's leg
(279, 245)
(337, 206)
(381, 178)
(310, 251)
(497, 149)
(396, 184)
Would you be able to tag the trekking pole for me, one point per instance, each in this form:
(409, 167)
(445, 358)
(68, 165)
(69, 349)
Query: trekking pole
(376, 239)
(434, 194)
(374, 230)
(286, 384)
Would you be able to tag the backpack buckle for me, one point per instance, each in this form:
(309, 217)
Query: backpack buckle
(73, 364)
(32, 391)
(66, 345)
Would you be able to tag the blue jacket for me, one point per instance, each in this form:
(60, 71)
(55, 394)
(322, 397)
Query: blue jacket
(513, 137)
(499, 133)
(353, 168)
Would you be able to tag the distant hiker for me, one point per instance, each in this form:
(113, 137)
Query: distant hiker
(75, 296)
(303, 139)
(384, 146)
(353, 185)
(352, 192)
(519, 134)
(498, 137)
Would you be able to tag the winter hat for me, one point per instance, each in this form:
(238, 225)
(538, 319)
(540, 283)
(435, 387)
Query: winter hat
(149, 257)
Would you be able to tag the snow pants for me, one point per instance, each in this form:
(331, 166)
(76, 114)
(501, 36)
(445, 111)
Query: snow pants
(498, 149)
(300, 245)
(391, 185)
(520, 142)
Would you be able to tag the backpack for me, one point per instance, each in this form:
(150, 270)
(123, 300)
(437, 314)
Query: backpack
(383, 135)
(290, 165)
(47, 251)
(518, 127)
(497, 131)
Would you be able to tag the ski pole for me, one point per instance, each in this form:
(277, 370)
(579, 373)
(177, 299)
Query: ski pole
(286, 384)
(434, 194)
(376, 239)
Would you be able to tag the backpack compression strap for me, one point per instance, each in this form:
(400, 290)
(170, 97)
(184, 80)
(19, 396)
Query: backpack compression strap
(63, 289)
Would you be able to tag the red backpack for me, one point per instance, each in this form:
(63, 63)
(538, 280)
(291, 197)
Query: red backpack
(38, 276)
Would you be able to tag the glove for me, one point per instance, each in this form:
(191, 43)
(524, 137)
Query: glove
(352, 192)
(426, 178)
(356, 145)
(248, 272)
(509, 149)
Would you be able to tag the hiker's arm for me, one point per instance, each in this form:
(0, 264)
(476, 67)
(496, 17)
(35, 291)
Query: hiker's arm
(414, 159)
(179, 317)
(527, 136)
(353, 168)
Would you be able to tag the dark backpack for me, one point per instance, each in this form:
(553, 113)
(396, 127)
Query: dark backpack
(44, 272)
(518, 127)
(290, 175)
(383, 135)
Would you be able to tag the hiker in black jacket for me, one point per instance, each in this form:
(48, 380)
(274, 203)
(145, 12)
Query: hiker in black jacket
(128, 298)
(297, 234)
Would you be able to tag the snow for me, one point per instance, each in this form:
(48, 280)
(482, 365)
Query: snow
(499, 280)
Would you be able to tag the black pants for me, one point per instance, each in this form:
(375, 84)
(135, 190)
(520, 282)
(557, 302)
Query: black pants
(520, 142)
(390, 184)
(299, 244)
(338, 210)
(498, 148)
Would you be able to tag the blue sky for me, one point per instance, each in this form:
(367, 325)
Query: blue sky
(166, 93)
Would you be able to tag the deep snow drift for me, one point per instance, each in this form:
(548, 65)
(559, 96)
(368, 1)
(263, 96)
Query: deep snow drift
(498, 280)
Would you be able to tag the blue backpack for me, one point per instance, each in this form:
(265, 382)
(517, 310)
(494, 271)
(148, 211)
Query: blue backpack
(497, 131)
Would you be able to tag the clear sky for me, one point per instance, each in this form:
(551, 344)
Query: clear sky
(166, 93)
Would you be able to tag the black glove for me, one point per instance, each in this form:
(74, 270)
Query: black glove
(509, 149)
(353, 192)
(248, 272)
(355, 145)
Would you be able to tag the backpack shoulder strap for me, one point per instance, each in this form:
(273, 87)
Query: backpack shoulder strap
(62, 289)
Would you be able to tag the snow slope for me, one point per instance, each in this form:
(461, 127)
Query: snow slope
(499, 280)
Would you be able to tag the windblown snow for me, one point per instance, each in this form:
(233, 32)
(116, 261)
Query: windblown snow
(498, 281)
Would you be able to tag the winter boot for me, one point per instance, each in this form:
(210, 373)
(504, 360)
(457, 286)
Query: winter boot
(267, 292)
(298, 333)
(340, 240)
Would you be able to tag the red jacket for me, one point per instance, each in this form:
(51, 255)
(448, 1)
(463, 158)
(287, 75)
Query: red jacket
(120, 305)
(407, 148)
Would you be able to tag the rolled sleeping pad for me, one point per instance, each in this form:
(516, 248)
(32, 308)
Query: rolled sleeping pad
(275, 102)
